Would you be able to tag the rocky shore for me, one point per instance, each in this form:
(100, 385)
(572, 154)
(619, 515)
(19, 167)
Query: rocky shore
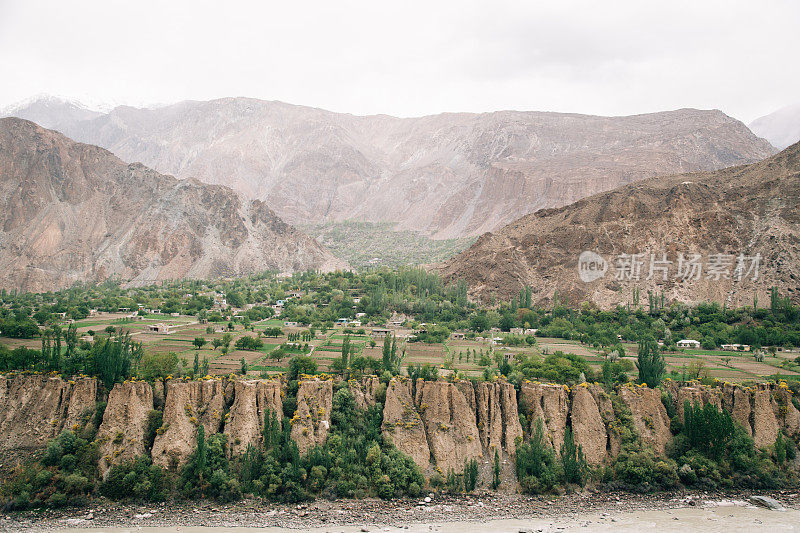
(373, 514)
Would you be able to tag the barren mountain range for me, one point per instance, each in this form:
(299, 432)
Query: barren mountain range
(448, 175)
(781, 128)
(72, 212)
(741, 211)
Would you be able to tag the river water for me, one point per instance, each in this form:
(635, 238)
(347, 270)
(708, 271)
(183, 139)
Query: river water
(719, 518)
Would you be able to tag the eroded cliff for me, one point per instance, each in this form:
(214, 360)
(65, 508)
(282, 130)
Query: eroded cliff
(440, 425)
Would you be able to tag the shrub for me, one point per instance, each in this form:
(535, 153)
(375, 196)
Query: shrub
(638, 469)
(470, 475)
(136, 479)
(65, 475)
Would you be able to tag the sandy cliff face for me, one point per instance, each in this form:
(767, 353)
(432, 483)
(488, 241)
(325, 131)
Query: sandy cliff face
(440, 425)
(765, 423)
(364, 391)
(736, 401)
(497, 416)
(121, 435)
(649, 416)
(762, 411)
(312, 420)
(187, 405)
(403, 425)
(452, 174)
(73, 212)
(36, 408)
(252, 400)
(449, 425)
(588, 425)
(550, 404)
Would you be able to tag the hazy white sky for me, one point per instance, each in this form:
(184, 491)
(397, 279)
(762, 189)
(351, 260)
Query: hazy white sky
(410, 58)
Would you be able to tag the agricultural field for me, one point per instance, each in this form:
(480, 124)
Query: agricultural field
(462, 354)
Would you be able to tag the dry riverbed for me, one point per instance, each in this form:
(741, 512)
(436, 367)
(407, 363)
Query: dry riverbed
(482, 512)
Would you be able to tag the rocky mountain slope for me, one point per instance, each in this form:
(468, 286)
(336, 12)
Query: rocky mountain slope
(74, 212)
(781, 128)
(449, 175)
(438, 424)
(745, 210)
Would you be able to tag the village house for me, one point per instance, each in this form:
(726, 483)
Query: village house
(457, 335)
(517, 331)
(688, 343)
(736, 347)
(163, 329)
(379, 332)
(290, 324)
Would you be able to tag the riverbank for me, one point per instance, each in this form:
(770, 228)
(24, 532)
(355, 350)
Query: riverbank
(479, 512)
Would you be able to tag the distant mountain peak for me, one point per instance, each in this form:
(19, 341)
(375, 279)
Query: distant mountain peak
(447, 175)
(781, 128)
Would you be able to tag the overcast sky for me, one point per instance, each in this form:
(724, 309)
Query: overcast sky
(410, 58)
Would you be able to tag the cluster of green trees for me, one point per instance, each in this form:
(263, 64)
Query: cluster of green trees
(539, 469)
(111, 358)
(246, 342)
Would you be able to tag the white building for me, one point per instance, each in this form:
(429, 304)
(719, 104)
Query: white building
(688, 343)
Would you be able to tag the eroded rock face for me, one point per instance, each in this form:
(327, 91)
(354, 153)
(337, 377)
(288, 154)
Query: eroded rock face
(252, 399)
(497, 416)
(36, 408)
(737, 402)
(649, 416)
(606, 410)
(449, 424)
(587, 425)
(82, 401)
(765, 424)
(312, 420)
(364, 391)
(548, 402)
(187, 405)
(121, 434)
(402, 424)
(787, 414)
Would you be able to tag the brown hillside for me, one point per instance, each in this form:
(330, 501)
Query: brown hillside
(748, 210)
(74, 212)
